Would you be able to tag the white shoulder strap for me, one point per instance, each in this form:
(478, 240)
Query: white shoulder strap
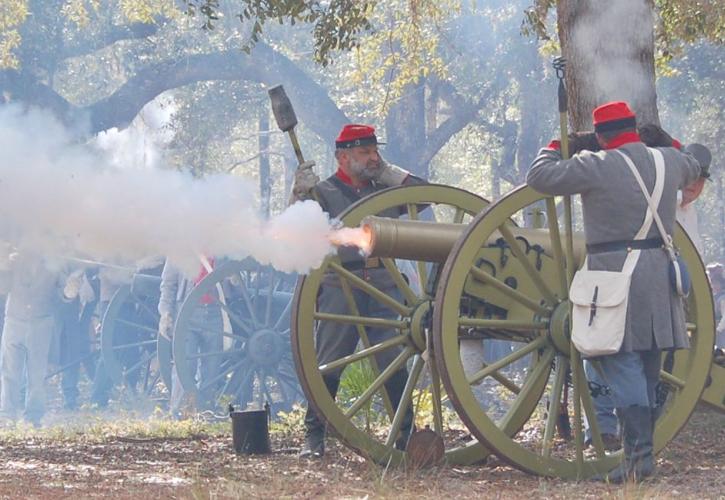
(653, 201)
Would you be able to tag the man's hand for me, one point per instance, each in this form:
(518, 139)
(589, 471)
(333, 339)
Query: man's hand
(305, 180)
(583, 141)
(390, 175)
(73, 285)
(166, 326)
(86, 293)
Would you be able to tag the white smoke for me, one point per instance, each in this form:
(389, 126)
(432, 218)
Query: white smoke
(141, 143)
(58, 197)
(610, 40)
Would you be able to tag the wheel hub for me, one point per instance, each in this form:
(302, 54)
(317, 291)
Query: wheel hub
(420, 324)
(265, 347)
(559, 331)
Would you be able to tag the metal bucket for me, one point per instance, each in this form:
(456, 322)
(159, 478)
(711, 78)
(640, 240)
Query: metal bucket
(250, 431)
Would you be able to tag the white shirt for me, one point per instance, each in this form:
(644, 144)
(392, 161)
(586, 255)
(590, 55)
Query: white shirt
(687, 217)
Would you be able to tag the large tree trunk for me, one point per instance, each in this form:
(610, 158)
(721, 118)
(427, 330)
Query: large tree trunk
(405, 131)
(265, 183)
(609, 48)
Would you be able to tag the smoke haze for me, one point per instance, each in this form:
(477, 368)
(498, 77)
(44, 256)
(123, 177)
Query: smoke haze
(61, 198)
(610, 39)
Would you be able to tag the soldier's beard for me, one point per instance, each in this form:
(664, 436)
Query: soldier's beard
(364, 171)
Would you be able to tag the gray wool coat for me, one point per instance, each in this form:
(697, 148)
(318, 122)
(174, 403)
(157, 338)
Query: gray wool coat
(614, 208)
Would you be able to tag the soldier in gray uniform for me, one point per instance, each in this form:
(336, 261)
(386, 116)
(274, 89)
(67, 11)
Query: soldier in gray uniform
(613, 208)
(34, 293)
(206, 321)
(361, 172)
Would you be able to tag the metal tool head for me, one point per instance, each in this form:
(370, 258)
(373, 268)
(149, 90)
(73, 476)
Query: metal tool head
(425, 449)
(282, 108)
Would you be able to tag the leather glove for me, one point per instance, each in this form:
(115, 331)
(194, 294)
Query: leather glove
(305, 180)
(390, 175)
(583, 141)
(654, 136)
(166, 326)
(73, 285)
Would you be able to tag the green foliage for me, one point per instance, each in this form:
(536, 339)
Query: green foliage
(12, 14)
(355, 380)
(687, 21)
(337, 23)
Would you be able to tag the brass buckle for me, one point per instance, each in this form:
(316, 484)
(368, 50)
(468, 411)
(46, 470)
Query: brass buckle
(371, 262)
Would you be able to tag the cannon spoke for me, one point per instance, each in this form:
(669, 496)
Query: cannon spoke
(499, 285)
(369, 289)
(556, 248)
(562, 365)
(503, 380)
(362, 354)
(270, 293)
(234, 317)
(408, 293)
(249, 304)
(136, 325)
(405, 400)
(283, 316)
(362, 333)
(591, 416)
(361, 320)
(121, 347)
(507, 360)
(531, 271)
(397, 364)
(577, 388)
(213, 354)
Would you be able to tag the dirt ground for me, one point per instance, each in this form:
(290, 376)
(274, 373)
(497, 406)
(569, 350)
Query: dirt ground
(127, 461)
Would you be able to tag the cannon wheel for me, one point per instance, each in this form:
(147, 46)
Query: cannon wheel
(345, 417)
(132, 354)
(544, 328)
(255, 360)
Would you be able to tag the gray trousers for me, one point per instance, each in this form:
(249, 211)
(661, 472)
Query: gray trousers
(632, 377)
(24, 353)
(602, 401)
(336, 340)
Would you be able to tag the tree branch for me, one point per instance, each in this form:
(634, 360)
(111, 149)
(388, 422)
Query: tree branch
(88, 44)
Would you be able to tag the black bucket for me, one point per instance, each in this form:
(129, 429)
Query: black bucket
(250, 431)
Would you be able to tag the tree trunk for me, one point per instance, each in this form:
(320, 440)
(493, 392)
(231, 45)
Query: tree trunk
(609, 48)
(265, 185)
(405, 131)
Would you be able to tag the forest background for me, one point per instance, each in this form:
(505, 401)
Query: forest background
(462, 91)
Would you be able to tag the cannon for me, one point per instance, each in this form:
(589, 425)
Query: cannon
(134, 356)
(486, 277)
(248, 353)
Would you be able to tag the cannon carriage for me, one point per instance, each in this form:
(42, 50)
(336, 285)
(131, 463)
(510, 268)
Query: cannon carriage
(485, 277)
(253, 363)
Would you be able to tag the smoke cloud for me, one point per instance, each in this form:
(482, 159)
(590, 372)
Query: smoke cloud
(62, 198)
(610, 39)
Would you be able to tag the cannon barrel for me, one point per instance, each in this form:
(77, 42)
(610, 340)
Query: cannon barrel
(433, 241)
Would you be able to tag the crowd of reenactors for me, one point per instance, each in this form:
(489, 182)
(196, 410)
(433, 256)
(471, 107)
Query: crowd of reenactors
(52, 313)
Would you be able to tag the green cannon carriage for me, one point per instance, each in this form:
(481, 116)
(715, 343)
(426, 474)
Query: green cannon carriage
(482, 275)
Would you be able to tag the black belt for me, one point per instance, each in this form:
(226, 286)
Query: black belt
(615, 246)
(369, 263)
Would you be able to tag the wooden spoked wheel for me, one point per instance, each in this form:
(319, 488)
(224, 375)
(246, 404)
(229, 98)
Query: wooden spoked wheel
(533, 314)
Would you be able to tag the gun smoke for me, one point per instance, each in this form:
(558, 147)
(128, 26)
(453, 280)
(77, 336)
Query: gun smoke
(62, 198)
(609, 43)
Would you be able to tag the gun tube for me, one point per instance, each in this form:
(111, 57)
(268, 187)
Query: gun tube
(433, 241)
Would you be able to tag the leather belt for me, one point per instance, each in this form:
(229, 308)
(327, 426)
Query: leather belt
(369, 263)
(615, 246)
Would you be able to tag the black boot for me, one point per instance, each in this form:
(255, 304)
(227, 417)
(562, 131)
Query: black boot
(638, 460)
(314, 446)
